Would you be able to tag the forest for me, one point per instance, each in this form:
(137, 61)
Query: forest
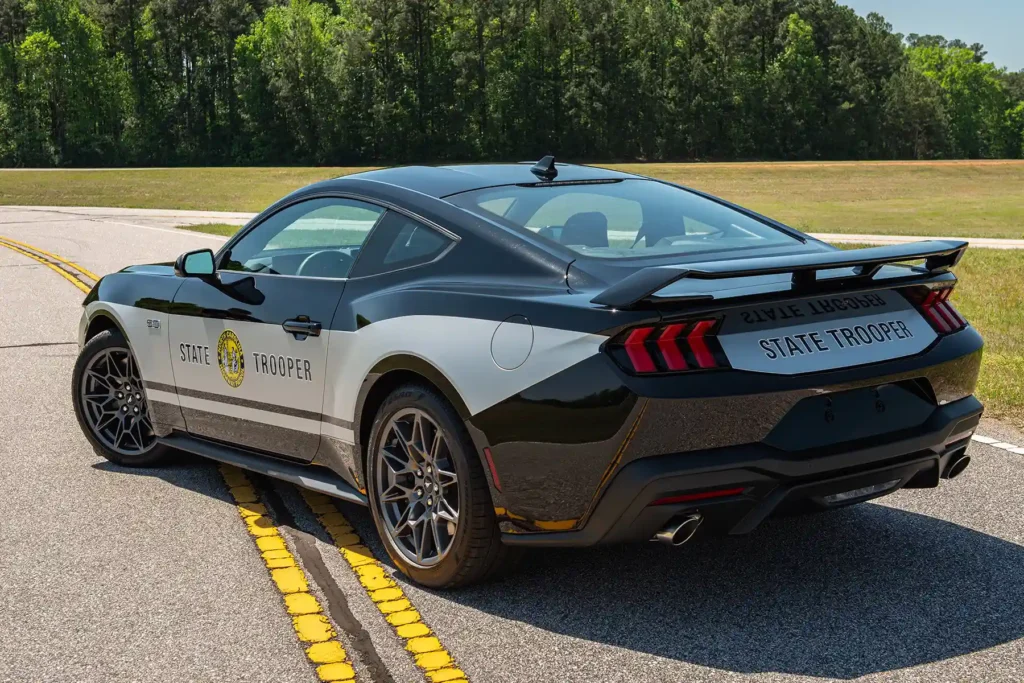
(254, 82)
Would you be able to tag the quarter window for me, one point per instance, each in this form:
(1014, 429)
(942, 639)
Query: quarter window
(314, 238)
(400, 242)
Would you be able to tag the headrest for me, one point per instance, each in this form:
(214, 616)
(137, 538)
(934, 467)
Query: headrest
(588, 229)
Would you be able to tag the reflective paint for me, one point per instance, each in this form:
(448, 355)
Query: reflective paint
(325, 651)
(429, 654)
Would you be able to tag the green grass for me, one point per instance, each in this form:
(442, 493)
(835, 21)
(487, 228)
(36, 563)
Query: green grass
(964, 198)
(201, 189)
(214, 228)
(974, 199)
(987, 296)
(993, 302)
(969, 198)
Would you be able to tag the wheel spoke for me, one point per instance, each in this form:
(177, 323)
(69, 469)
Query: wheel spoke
(435, 446)
(446, 512)
(396, 494)
(136, 432)
(445, 478)
(397, 464)
(402, 523)
(423, 546)
(104, 380)
(119, 434)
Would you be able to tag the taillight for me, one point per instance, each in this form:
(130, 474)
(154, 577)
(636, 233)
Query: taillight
(939, 312)
(678, 347)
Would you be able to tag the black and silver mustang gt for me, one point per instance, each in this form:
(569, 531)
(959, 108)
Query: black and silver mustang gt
(494, 357)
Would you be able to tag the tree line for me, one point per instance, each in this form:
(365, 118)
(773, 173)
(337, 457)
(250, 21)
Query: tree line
(206, 82)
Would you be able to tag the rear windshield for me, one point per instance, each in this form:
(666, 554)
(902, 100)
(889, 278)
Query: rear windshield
(623, 218)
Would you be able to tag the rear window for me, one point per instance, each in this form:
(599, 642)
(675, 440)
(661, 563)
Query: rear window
(623, 218)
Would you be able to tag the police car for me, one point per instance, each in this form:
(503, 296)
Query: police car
(494, 357)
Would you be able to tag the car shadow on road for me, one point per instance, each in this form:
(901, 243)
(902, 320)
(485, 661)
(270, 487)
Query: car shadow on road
(841, 595)
(853, 592)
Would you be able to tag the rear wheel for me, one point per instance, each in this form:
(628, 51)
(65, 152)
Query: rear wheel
(110, 402)
(428, 493)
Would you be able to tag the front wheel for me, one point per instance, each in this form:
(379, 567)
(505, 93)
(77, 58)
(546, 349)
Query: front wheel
(110, 403)
(428, 493)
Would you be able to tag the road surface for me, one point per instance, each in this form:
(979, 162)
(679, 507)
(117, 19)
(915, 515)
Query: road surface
(109, 574)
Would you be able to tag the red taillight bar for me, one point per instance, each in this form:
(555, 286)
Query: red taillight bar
(676, 347)
(691, 497)
(705, 358)
(669, 349)
(940, 313)
(638, 354)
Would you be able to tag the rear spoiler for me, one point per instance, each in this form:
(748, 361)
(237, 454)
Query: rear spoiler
(938, 255)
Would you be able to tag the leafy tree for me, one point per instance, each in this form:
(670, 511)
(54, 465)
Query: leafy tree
(71, 95)
(289, 65)
(380, 81)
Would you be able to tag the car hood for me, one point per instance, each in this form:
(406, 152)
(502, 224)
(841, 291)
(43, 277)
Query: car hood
(152, 269)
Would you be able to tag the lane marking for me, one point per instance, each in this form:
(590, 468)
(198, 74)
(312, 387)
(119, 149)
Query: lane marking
(178, 231)
(55, 268)
(323, 648)
(996, 443)
(75, 266)
(423, 645)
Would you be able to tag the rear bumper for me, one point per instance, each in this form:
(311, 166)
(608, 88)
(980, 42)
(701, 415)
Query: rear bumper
(771, 479)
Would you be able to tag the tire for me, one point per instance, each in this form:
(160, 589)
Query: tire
(109, 354)
(475, 552)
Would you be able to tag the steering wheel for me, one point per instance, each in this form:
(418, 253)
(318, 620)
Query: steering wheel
(326, 263)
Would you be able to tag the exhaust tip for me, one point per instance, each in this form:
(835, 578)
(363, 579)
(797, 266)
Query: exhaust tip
(957, 464)
(679, 531)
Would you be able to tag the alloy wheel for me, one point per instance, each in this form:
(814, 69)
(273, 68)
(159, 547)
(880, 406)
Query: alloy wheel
(417, 487)
(114, 402)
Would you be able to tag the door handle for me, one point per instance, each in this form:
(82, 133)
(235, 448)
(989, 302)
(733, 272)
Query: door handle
(302, 327)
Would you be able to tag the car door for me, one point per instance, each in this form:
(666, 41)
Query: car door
(249, 343)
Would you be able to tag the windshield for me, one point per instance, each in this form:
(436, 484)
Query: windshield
(623, 218)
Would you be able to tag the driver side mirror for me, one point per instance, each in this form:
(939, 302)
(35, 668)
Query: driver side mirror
(195, 263)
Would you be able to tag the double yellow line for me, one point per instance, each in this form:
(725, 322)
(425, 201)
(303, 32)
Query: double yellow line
(323, 647)
(72, 272)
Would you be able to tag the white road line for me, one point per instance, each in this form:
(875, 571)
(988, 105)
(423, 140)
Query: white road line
(1001, 445)
(177, 231)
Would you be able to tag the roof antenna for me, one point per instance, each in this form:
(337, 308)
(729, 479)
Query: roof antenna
(545, 168)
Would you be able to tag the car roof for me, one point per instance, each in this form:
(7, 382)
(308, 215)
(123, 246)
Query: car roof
(441, 181)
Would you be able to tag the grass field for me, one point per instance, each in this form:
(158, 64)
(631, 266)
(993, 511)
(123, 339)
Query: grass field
(991, 301)
(961, 198)
(970, 198)
(994, 305)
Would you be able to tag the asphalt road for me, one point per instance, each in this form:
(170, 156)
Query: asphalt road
(108, 574)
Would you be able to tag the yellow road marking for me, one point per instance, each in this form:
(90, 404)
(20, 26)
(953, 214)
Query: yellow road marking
(75, 266)
(324, 650)
(57, 269)
(430, 656)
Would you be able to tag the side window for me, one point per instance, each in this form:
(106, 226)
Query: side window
(399, 242)
(314, 238)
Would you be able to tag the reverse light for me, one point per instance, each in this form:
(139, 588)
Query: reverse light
(940, 313)
(677, 347)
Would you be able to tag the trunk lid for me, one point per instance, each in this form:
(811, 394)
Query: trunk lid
(789, 314)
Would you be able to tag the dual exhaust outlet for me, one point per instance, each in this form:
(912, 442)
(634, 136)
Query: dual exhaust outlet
(679, 530)
(957, 464)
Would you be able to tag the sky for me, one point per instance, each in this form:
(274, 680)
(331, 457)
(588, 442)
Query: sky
(996, 24)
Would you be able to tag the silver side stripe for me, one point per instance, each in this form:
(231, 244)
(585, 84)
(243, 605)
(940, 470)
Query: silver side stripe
(245, 409)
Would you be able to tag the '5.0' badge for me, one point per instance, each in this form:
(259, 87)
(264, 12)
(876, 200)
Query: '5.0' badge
(230, 358)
